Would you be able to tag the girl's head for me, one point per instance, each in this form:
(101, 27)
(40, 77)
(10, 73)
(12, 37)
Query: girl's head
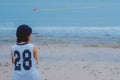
(23, 33)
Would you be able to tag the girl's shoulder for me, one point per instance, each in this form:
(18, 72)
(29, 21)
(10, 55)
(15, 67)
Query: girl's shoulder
(30, 44)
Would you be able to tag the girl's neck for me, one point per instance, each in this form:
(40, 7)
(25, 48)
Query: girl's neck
(22, 43)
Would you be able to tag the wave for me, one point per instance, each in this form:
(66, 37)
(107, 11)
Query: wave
(71, 31)
(82, 31)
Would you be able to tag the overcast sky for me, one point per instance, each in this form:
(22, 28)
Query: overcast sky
(61, 12)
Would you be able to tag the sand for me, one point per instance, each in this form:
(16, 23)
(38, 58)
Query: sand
(68, 62)
(79, 63)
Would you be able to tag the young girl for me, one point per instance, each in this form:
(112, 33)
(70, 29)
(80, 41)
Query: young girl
(24, 56)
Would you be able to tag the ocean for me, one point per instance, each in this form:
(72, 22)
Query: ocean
(72, 18)
(68, 31)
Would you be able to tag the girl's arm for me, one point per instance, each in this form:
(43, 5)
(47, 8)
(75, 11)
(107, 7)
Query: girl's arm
(35, 55)
(12, 58)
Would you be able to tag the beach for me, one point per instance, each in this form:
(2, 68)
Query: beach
(75, 39)
(63, 59)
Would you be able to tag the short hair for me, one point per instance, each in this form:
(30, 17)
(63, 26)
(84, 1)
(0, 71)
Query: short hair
(22, 33)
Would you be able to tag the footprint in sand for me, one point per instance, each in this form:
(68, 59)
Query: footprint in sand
(0, 64)
(7, 64)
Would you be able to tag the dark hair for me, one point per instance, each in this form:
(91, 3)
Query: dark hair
(22, 33)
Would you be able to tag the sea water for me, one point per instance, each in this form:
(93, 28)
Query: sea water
(68, 31)
(78, 31)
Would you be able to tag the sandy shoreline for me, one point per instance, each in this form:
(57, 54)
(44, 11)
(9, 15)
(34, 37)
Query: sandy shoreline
(68, 61)
(84, 41)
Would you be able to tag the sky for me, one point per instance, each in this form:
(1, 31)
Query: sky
(60, 12)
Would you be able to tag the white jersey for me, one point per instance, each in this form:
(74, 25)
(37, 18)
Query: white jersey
(24, 67)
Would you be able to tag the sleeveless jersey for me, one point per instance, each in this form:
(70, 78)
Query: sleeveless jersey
(24, 67)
